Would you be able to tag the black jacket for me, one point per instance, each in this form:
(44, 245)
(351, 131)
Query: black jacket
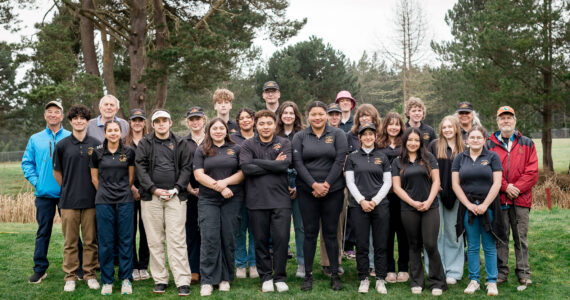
(496, 227)
(144, 163)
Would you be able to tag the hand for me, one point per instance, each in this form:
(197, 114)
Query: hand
(227, 193)
(281, 156)
(136, 194)
(327, 185)
(473, 208)
(220, 185)
(512, 191)
(364, 205)
(292, 193)
(319, 190)
(481, 208)
(163, 194)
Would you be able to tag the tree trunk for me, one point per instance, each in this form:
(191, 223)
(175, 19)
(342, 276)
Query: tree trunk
(405, 55)
(137, 55)
(108, 43)
(161, 33)
(547, 163)
(86, 29)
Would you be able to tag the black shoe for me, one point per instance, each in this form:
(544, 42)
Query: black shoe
(79, 273)
(37, 277)
(159, 288)
(327, 271)
(184, 290)
(307, 283)
(336, 284)
(289, 254)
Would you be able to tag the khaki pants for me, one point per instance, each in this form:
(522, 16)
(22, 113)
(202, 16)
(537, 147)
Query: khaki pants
(324, 257)
(71, 221)
(165, 220)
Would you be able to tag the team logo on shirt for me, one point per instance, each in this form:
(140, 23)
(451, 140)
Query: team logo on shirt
(277, 147)
(377, 161)
(484, 162)
(426, 136)
(171, 146)
(230, 152)
(89, 151)
(329, 139)
(123, 157)
(233, 130)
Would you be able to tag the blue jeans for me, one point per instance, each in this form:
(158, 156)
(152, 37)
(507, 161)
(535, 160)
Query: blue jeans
(476, 235)
(243, 256)
(299, 231)
(115, 219)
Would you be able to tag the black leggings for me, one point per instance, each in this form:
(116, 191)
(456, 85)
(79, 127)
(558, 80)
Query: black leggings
(327, 210)
(396, 228)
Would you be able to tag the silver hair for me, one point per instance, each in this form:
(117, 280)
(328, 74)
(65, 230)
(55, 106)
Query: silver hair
(110, 97)
(475, 122)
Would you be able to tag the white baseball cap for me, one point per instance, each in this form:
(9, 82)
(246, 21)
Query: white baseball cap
(160, 114)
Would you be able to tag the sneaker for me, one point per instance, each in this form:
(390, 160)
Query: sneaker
(241, 273)
(372, 272)
(37, 277)
(450, 280)
(436, 292)
(144, 274)
(267, 286)
(402, 277)
(472, 287)
(79, 273)
(416, 290)
(107, 289)
(281, 287)
(224, 286)
(253, 272)
(195, 278)
(206, 290)
(336, 284)
(93, 284)
(525, 281)
(364, 285)
(381, 286)
(69, 286)
(126, 287)
(340, 270)
(136, 275)
(501, 280)
(492, 289)
(327, 271)
(184, 290)
(391, 277)
(300, 271)
(159, 288)
(307, 283)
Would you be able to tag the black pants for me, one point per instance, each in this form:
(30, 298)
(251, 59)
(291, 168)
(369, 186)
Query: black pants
(379, 220)
(396, 228)
(326, 210)
(274, 224)
(193, 234)
(140, 261)
(422, 229)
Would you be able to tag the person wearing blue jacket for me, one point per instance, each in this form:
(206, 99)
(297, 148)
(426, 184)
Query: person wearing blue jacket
(37, 165)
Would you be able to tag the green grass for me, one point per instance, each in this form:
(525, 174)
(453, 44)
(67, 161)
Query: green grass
(12, 179)
(560, 154)
(549, 240)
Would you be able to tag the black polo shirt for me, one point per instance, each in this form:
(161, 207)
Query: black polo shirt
(368, 170)
(346, 127)
(238, 138)
(392, 153)
(113, 169)
(416, 180)
(476, 177)
(428, 134)
(319, 159)
(164, 170)
(353, 142)
(232, 126)
(220, 166)
(268, 190)
(193, 146)
(447, 194)
(71, 157)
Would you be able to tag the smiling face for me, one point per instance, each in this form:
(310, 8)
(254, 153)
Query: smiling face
(476, 140)
(448, 130)
(364, 118)
(367, 138)
(137, 124)
(465, 118)
(53, 116)
(288, 116)
(393, 128)
(334, 118)
(195, 123)
(245, 121)
(317, 117)
(162, 126)
(413, 143)
(265, 128)
(507, 123)
(218, 132)
(271, 96)
(79, 123)
(113, 133)
(345, 104)
(416, 114)
(223, 107)
(108, 107)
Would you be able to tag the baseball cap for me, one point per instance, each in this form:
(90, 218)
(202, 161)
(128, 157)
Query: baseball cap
(270, 85)
(333, 107)
(464, 107)
(195, 111)
(160, 114)
(367, 125)
(137, 113)
(505, 109)
(54, 103)
(347, 95)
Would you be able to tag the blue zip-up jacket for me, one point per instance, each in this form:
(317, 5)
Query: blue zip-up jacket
(37, 162)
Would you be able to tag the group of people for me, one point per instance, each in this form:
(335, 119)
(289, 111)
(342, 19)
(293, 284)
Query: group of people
(227, 186)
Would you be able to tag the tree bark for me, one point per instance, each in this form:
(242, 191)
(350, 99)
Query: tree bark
(547, 163)
(86, 29)
(161, 34)
(108, 43)
(137, 55)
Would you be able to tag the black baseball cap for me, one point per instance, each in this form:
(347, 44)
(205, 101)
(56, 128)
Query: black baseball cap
(333, 107)
(195, 111)
(270, 85)
(137, 113)
(464, 107)
(367, 125)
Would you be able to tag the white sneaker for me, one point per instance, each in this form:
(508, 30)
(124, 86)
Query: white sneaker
(69, 286)
(206, 290)
(472, 287)
(107, 289)
(241, 273)
(253, 272)
(267, 286)
(381, 287)
(224, 286)
(364, 285)
(403, 276)
(136, 275)
(300, 271)
(416, 290)
(281, 287)
(93, 284)
(127, 287)
(436, 292)
(492, 289)
(391, 277)
(450, 280)
(144, 274)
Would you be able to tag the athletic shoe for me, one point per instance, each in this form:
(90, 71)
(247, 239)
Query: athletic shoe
(472, 287)
(281, 287)
(107, 289)
(381, 286)
(501, 280)
(267, 286)
(372, 272)
(336, 284)
(402, 277)
(69, 286)
(327, 271)
(79, 273)
(340, 270)
(93, 284)
(492, 289)
(241, 273)
(37, 277)
(436, 292)
(391, 277)
(525, 281)
(224, 286)
(307, 283)
(300, 271)
(126, 287)
(253, 272)
(159, 288)
(206, 290)
(416, 290)
(450, 280)
(184, 290)
(289, 254)
(364, 285)
(144, 274)
(136, 275)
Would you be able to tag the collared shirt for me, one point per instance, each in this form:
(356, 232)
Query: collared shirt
(353, 142)
(448, 197)
(96, 129)
(222, 165)
(369, 169)
(416, 181)
(428, 134)
(164, 175)
(476, 177)
(238, 138)
(71, 158)
(347, 125)
(113, 173)
(232, 126)
(502, 140)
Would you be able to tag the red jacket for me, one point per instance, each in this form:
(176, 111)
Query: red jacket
(520, 167)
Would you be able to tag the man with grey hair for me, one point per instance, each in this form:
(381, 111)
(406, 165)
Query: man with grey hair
(108, 106)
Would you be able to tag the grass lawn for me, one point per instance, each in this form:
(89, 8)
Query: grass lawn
(549, 240)
(560, 154)
(12, 179)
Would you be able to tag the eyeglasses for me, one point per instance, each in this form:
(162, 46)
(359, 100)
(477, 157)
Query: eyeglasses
(476, 138)
(270, 91)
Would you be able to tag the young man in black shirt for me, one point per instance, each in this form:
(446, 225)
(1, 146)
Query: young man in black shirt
(163, 163)
(416, 113)
(264, 159)
(223, 99)
(77, 201)
(271, 95)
